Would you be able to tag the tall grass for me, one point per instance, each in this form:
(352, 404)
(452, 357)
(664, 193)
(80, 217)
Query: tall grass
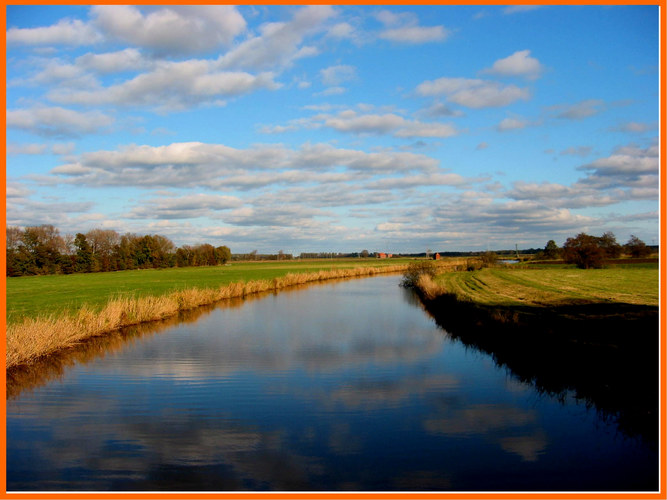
(34, 338)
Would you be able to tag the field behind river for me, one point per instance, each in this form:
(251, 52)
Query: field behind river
(32, 296)
(551, 286)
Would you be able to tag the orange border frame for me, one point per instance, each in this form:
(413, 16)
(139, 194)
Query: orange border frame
(662, 492)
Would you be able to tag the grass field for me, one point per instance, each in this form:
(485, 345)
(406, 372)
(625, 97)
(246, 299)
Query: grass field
(510, 286)
(31, 296)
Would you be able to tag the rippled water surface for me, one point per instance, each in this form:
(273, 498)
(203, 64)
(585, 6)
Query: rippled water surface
(340, 386)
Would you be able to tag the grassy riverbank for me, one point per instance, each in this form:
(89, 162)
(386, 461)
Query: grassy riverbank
(32, 296)
(100, 303)
(509, 286)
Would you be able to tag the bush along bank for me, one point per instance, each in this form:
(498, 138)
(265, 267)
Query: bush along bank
(605, 354)
(35, 338)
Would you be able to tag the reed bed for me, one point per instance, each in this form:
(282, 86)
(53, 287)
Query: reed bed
(34, 338)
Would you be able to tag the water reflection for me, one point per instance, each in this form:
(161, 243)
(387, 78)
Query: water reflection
(601, 354)
(343, 386)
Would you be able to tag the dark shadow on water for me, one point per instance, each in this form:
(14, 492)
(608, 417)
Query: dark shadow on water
(604, 354)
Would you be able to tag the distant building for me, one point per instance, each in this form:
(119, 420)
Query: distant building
(436, 256)
(382, 255)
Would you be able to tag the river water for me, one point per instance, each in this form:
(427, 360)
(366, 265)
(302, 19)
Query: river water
(344, 386)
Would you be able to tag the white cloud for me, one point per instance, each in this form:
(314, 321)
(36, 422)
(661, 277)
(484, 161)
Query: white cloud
(628, 161)
(635, 127)
(438, 110)
(59, 73)
(631, 173)
(65, 32)
(114, 62)
(342, 30)
(416, 34)
(26, 149)
(57, 121)
(517, 9)
(196, 164)
(335, 75)
(473, 93)
(412, 181)
(172, 86)
(580, 110)
(177, 29)
(389, 123)
(39, 149)
(281, 216)
(405, 28)
(518, 64)
(184, 207)
(279, 43)
(513, 123)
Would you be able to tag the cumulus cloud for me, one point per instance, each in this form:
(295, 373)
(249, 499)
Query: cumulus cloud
(57, 121)
(635, 127)
(350, 121)
(438, 110)
(578, 111)
(184, 207)
(412, 181)
(114, 62)
(512, 123)
(196, 164)
(279, 43)
(26, 149)
(175, 30)
(628, 161)
(405, 28)
(65, 32)
(518, 64)
(56, 72)
(631, 173)
(277, 215)
(517, 9)
(473, 93)
(39, 149)
(172, 86)
(335, 75)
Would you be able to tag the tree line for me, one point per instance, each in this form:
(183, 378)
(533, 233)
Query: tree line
(43, 250)
(587, 251)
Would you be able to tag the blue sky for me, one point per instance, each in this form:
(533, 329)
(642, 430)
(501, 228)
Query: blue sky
(335, 128)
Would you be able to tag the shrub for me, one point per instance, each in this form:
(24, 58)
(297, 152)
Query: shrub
(489, 259)
(416, 270)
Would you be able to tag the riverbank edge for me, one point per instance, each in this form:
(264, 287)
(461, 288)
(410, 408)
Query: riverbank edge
(603, 353)
(35, 338)
(439, 301)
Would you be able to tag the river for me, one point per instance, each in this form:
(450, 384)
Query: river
(342, 386)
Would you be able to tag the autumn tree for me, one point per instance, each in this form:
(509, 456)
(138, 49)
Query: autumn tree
(551, 250)
(636, 247)
(223, 254)
(586, 251)
(102, 245)
(84, 254)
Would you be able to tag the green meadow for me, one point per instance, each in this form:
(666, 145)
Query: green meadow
(557, 285)
(32, 296)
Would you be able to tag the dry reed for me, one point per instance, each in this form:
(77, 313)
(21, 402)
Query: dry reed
(34, 338)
